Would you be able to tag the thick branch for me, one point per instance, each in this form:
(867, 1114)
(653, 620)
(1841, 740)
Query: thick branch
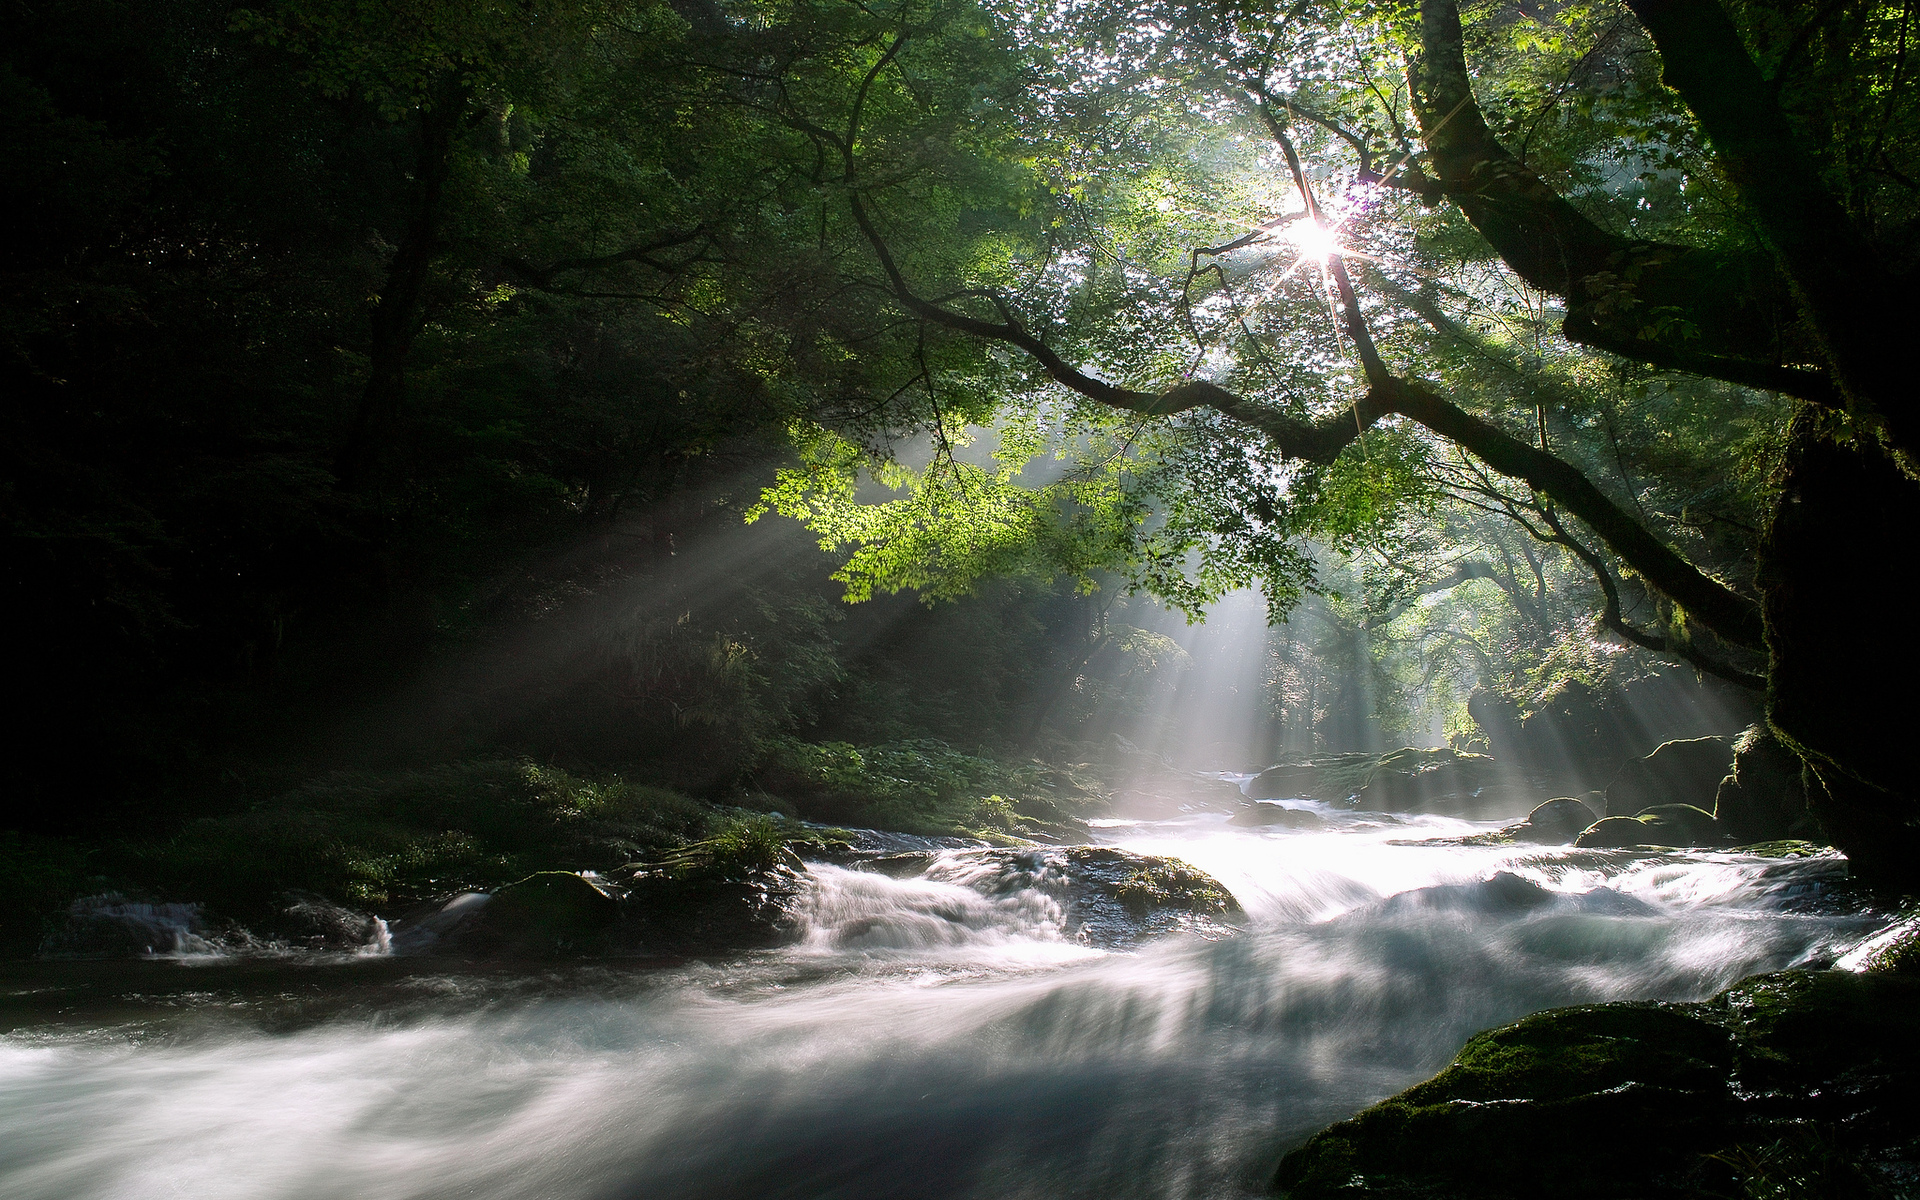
(1856, 311)
(1612, 619)
(1453, 579)
(1726, 316)
(1716, 606)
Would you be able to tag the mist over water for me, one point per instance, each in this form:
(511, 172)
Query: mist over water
(938, 1035)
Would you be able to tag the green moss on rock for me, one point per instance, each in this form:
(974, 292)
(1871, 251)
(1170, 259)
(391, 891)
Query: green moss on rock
(1641, 1100)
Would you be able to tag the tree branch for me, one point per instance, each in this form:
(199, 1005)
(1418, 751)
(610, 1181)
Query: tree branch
(1612, 619)
(1856, 310)
(1723, 315)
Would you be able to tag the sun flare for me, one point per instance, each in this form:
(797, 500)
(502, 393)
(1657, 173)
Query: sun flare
(1314, 240)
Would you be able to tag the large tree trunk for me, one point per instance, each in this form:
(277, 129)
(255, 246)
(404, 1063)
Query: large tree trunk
(1838, 576)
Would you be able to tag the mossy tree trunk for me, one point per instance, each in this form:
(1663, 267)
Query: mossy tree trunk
(1837, 563)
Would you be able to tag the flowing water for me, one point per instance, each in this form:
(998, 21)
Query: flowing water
(933, 1036)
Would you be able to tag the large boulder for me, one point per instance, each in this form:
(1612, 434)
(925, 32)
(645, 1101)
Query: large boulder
(1554, 823)
(1679, 772)
(1763, 798)
(1794, 1074)
(111, 925)
(547, 914)
(1097, 895)
(705, 914)
(1661, 825)
(1266, 812)
(1409, 780)
(1329, 777)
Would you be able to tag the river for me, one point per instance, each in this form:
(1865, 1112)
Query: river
(924, 1038)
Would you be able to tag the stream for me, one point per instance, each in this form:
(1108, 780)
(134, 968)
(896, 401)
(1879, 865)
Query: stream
(927, 1036)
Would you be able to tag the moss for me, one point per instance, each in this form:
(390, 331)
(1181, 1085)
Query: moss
(383, 839)
(745, 845)
(927, 787)
(1159, 883)
(1639, 1099)
(1790, 848)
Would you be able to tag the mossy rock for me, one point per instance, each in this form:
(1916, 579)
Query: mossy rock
(1554, 823)
(1894, 951)
(1612, 833)
(547, 913)
(1687, 771)
(1661, 825)
(1789, 848)
(1265, 812)
(1643, 1100)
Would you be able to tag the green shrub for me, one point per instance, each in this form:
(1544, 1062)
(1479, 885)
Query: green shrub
(378, 839)
(919, 786)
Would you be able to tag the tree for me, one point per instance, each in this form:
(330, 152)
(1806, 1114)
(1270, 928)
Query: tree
(1721, 196)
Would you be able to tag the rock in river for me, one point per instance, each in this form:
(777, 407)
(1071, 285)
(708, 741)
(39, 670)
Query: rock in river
(1797, 1074)
(1265, 812)
(1661, 825)
(1554, 823)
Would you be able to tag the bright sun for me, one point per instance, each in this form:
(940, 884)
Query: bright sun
(1314, 240)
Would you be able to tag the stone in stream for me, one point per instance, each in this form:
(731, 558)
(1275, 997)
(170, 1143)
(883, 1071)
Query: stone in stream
(547, 914)
(1661, 825)
(1763, 799)
(1800, 1074)
(1116, 898)
(1554, 823)
(1409, 780)
(1107, 897)
(1265, 812)
(1687, 771)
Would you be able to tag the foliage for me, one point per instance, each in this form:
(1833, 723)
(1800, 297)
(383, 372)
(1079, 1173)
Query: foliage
(387, 839)
(919, 786)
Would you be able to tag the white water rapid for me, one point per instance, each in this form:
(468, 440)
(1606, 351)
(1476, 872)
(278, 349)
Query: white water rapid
(931, 1036)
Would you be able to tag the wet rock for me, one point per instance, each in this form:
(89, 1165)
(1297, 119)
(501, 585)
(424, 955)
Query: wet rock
(1554, 823)
(547, 914)
(1505, 893)
(1291, 781)
(1892, 951)
(1678, 772)
(309, 922)
(436, 928)
(1410, 780)
(1763, 799)
(1651, 1101)
(1661, 825)
(666, 915)
(1107, 897)
(1165, 792)
(111, 925)
(1267, 813)
(1612, 833)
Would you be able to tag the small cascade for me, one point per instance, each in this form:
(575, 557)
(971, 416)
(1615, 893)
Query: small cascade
(110, 925)
(956, 903)
(380, 943)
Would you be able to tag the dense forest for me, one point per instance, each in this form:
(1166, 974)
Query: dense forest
(450, 440)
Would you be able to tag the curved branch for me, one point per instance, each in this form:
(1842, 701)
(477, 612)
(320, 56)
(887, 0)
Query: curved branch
(1726, 316)
(1857, 311)
(1612, 619)
(1734, 617)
